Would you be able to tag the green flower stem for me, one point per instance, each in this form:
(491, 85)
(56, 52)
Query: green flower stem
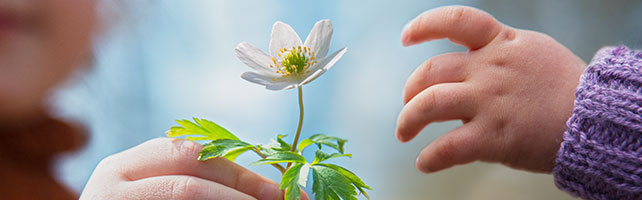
(277, 166)
(298, 129)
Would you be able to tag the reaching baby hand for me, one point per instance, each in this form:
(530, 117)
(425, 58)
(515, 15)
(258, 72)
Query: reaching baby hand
(513, 91)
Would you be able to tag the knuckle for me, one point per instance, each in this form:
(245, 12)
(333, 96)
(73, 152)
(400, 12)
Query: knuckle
(112, 165)
(241, 180)
(427, 68)
(457, 14)
(184, 188)
(508, 34)
(445, 152)
(431, 99)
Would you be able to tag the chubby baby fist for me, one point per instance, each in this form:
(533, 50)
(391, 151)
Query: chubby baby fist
(513, 91)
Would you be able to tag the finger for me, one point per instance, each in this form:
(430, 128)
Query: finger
(440, 102)
(444, 68)
(166, 156)
(462, 145)
(179, 187)
(466, 26)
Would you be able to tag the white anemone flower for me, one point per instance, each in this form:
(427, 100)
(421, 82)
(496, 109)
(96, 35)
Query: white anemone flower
(290, 63)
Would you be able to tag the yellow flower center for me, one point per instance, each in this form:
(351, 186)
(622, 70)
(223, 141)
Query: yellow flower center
(294, 61)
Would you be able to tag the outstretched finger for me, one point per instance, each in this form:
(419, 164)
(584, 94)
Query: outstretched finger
(180, 187)
(463, 25)
(464, 144)
(166, 156)
(444, 68)
(441, 102)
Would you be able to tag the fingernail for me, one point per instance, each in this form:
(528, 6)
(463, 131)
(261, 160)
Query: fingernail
(398, 136)
(269, 191)
(421, 167)
(405, 40)
(417, 165)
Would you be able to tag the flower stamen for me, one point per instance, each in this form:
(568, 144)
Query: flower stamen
(295, 61)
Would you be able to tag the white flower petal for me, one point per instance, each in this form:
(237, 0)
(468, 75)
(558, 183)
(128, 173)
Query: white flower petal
(257, 78)
(271, 83)
(281, 86)
(324, 65)
(313, 76)
(283, 36)
(255, 58)
(320, 37)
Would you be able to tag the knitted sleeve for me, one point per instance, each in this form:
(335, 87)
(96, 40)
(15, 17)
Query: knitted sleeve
(601, 155)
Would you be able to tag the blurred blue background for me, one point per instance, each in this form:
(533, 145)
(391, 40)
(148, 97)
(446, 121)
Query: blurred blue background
(157, 61)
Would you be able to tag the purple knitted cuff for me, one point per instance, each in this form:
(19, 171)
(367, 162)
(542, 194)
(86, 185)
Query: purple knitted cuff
(601, 155)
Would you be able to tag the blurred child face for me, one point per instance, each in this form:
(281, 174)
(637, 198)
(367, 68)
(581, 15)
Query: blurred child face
(41, 42)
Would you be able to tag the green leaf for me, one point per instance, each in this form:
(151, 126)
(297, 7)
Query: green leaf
(354, 179)
(321, 139)
(215, 129)
(222, 147)
(330, 184)
(267, 149)
(231, 155)
(303, 144)
(289, 182)
(198, 138)
(275, 146)
(281, 157)
(206, 130)
(322, 156)
(284, 145)
(271, 149)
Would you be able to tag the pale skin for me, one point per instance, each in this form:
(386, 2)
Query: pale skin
(513, 90)
(41, 43)
(166, 168)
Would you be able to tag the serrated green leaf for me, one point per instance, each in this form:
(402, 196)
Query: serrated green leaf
(191, 126)
(222, 147)
(289, 182)
(321, 139)
(330, 184)
(281, 157)
(354, 179)
(204, 129)
(176, 131)
(218, 131)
